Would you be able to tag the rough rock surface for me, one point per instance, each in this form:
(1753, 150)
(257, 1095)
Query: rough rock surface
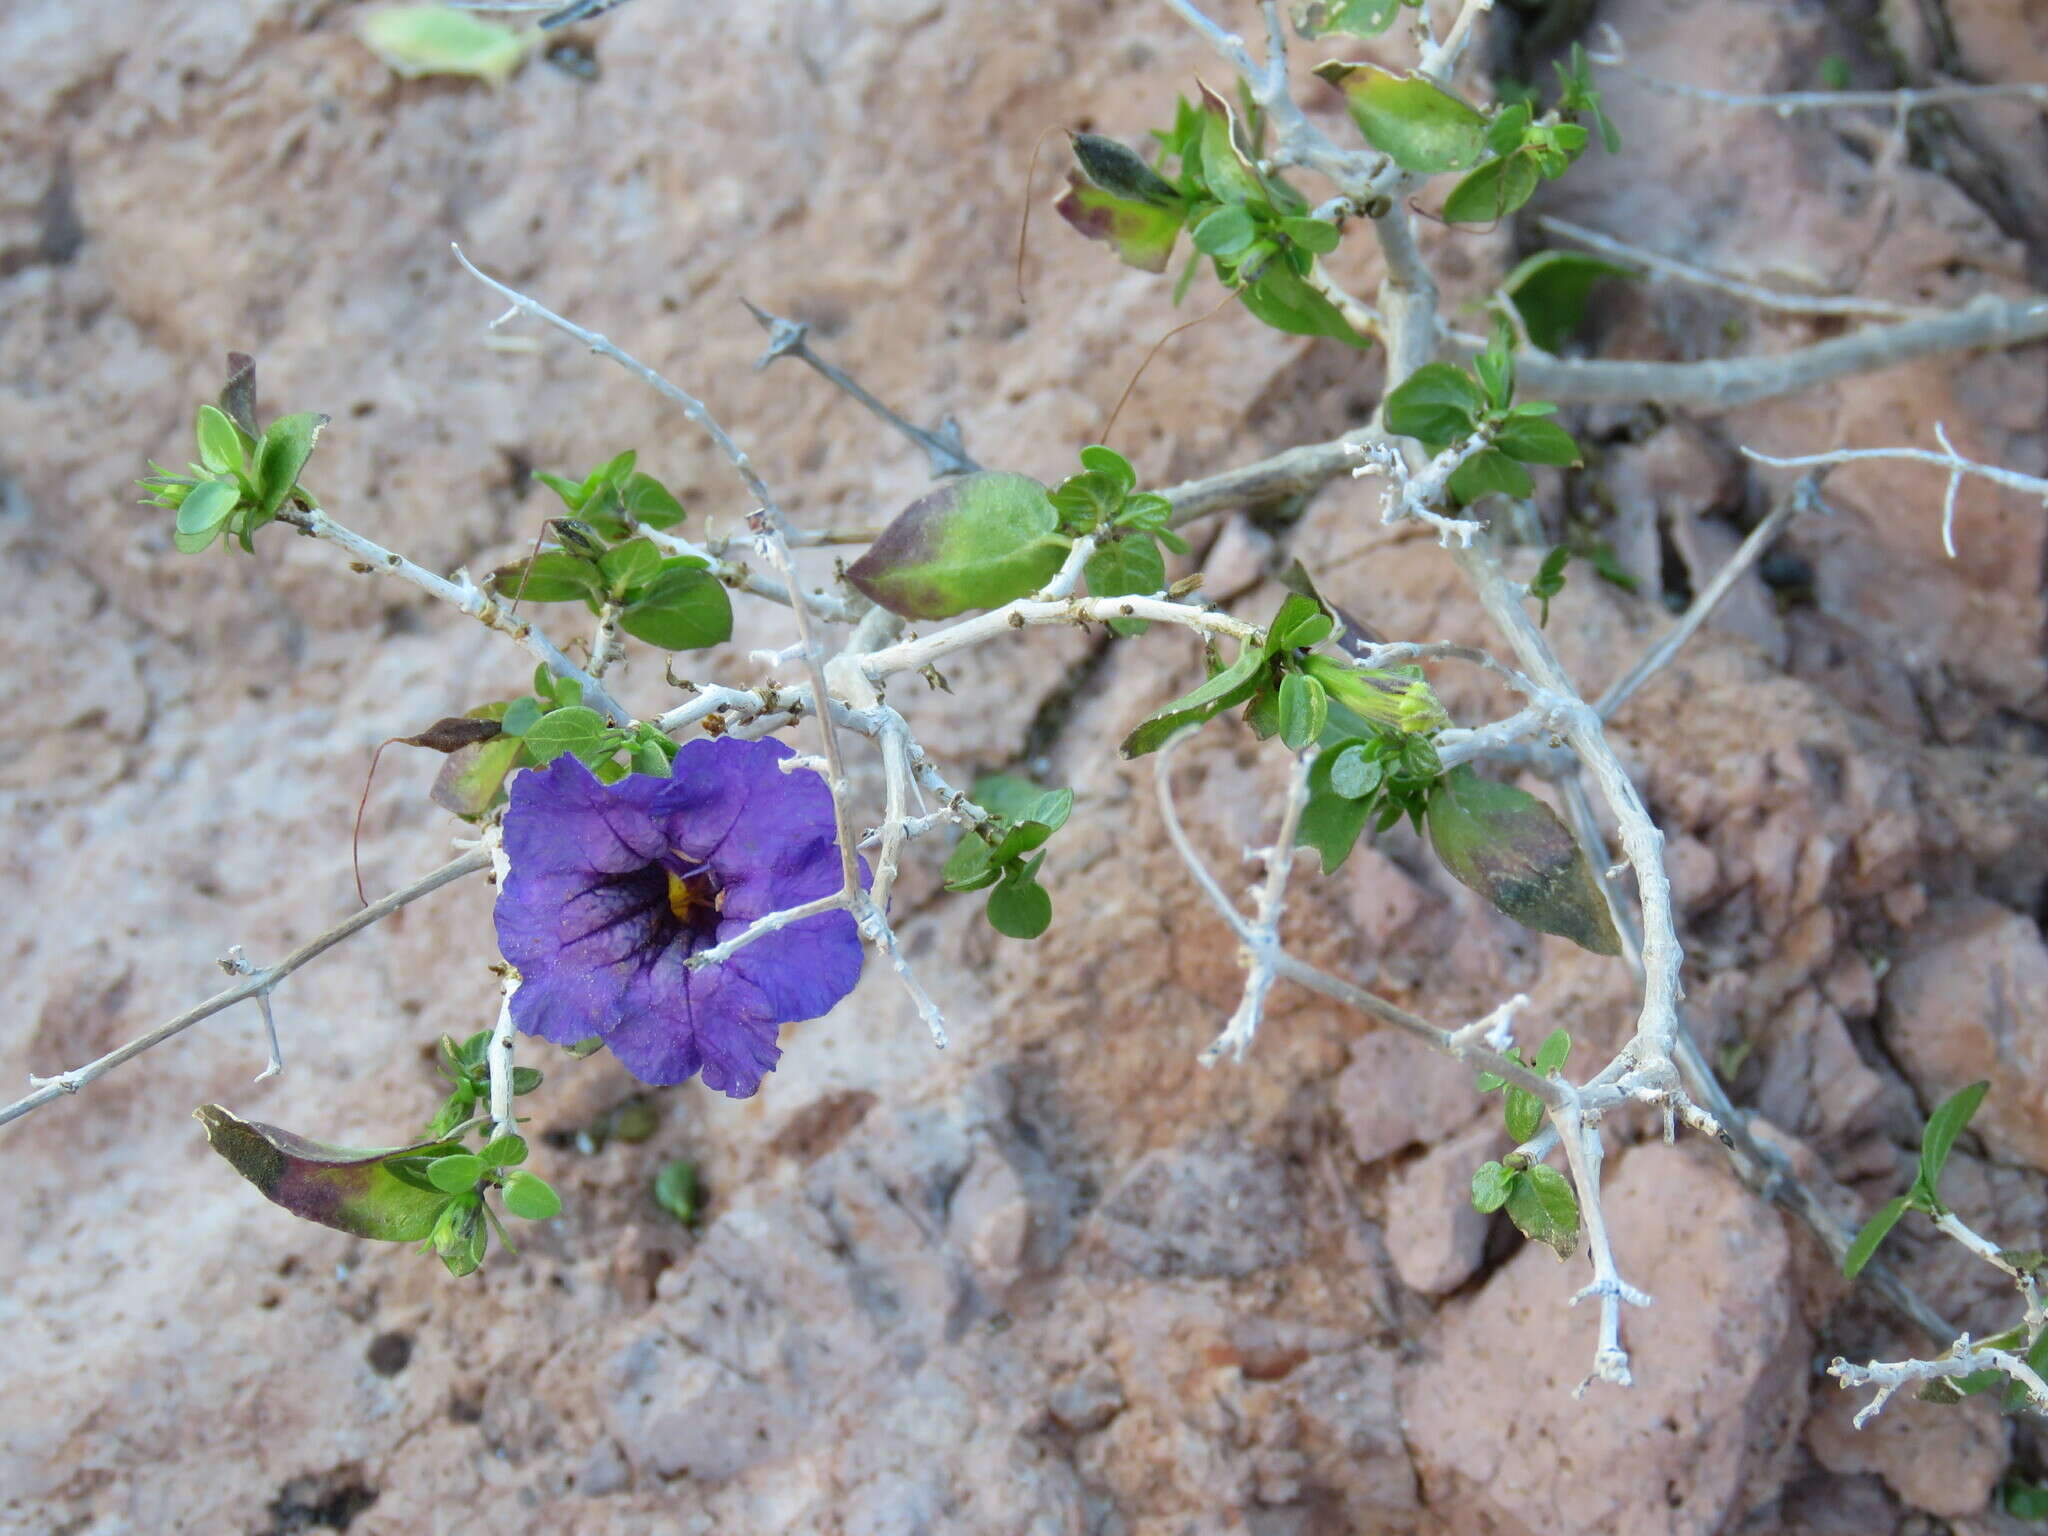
(1701, 1439)
(1060, 1278)
(1967, 1001)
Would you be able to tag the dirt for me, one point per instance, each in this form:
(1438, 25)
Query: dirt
(994, 1289)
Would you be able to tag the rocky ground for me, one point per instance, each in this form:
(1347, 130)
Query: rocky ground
(994, 1290)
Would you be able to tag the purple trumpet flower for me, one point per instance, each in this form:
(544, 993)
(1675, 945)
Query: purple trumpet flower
(613, 887)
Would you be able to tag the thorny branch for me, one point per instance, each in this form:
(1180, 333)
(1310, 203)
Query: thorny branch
(463, 594)
(1948, 459)
(259, 983)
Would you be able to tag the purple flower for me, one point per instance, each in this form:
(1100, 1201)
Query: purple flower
(612, 887)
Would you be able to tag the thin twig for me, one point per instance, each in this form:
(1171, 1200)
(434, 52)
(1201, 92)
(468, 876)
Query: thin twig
(790, 338)
(1801, 498)
(1948, 459)
(259, 983)
(1762, 297)
(461, 593)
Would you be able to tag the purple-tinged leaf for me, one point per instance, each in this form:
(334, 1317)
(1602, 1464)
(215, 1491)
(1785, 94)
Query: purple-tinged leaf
(351, 1189)
(978, 541)
(1510, 847)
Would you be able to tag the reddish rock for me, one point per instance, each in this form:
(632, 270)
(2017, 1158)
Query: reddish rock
(1966, 1001)
(1943, 1458)
(1719, 1360)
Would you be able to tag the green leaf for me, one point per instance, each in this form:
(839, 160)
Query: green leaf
(1487, 472)
(521, 715)
(1511, 848)
(1019, 907)
(1331, 823)
(1550, 578)
(1496, 370)
(1357, 18)
(1296, 609)
(1098, 460)
(1304, 710)
(205, 508)
(1027, 814)
(1280, 299)
(220, 444)
(456, 1172)
(978, 541)
(525, 1080)
(1874, 1232)
(1311, 631)
(1319, 237)
(1354, 773)
(676, 1191)
(570, 491)
(1228, 688)
(1552, 1054)
(504, 1151)
(287, 444)
(1087, 501)
(552, 576)
(350, 1189)
(971, 865)
(1421, 126)
(1225, 232)
(1533, 440)
(530, 1197)
(1123, 567)
(1224, 164)
(1116, 197)
(2024, 1500)
(684, 608)
(1943, 1126)
(646, 500)
(1524, 1113)
(1144, 510)
(1491, 1184)
(574, 730)
(1436, 405)
(1493, 191)
(627, 567)
(1016, 798)
(415, 40)
(1542, 1205)
(2017, 1396)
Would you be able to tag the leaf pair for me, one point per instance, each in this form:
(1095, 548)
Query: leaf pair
(616, 498)
(672, 602)
(1004, 852)
(1538, 1200)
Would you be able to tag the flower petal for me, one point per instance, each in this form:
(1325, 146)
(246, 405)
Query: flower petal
(804, 970)
(710, 786)
(563, 821)
(565, 1006)
(680, 1022)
